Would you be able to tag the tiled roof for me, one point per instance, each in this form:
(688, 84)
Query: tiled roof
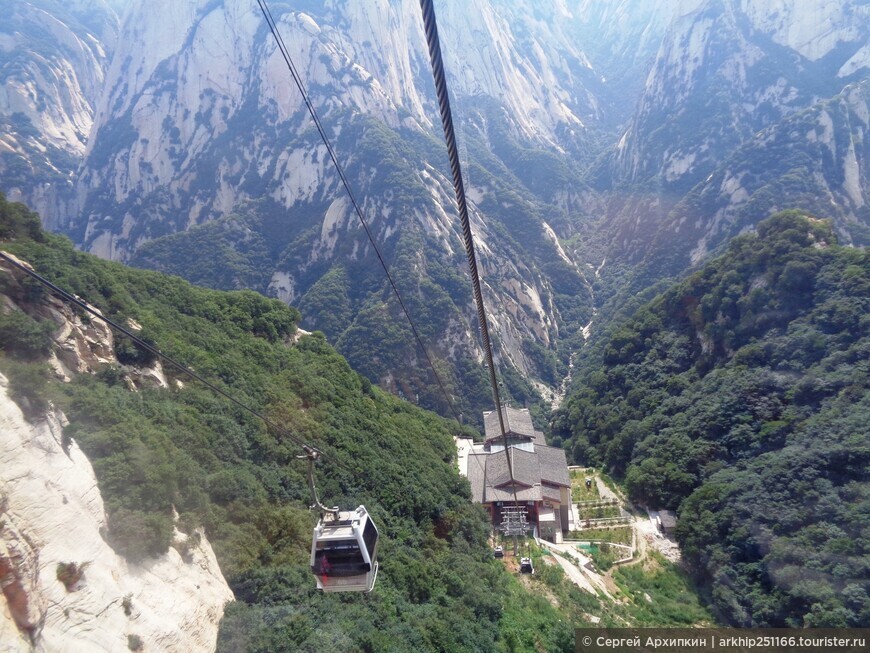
(497, 485)
(535, 465)
(525, 466)
(490, 479)
(507, 494)
(553, 465)
(476, 475)
(516, 421)
(551, 493)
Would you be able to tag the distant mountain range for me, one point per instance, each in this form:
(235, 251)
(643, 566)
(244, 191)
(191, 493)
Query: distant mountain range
(643, 134)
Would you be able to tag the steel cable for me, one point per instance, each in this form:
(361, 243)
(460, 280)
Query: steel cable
(431, 29)
(267, 14)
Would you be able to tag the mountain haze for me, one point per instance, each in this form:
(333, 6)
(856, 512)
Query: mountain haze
(606, 145)
(53, 60)
(750, 107)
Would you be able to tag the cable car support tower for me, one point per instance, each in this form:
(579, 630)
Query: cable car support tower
(432, 40)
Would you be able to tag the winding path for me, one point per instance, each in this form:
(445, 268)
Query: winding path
(577, 571)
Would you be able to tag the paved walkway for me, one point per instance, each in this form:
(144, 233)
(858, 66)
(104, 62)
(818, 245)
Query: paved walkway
(575, 575)
(463, 448)
(573, 517)
(604, 491)
(582, 577)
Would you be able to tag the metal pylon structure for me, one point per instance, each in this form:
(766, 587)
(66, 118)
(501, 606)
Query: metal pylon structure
(514, 522)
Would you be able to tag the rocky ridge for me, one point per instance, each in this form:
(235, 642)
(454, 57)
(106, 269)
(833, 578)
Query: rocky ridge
(53, 59)
(64, 589)
(750, 107)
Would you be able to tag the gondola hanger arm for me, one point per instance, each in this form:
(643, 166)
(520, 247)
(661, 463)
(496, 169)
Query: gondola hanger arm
(311, 455)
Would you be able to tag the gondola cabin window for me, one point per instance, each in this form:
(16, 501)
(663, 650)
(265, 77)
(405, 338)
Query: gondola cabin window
(370, 537)
(340, 558)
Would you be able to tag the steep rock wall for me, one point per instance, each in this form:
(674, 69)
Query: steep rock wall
(53, 514)
(53, 57)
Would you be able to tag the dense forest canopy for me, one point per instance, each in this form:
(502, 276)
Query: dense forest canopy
(609, 150)
(155, 450)
(185, 448)
(740, 397)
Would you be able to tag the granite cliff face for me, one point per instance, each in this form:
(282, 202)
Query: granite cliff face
(187, 124)
(731, 82)
(199, 121)
(816, 158)
(53, 526)
(726, 70)
(53, 515)
(628, 131)
(53, 58)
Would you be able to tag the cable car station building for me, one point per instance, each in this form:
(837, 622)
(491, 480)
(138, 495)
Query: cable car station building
(540, 473)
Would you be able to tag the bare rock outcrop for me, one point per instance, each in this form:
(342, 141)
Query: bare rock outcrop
(62, 587)
(82, 342)
(51, 517)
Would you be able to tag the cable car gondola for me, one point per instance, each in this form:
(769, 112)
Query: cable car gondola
(526, 566)
(344, 545)
(344, 552)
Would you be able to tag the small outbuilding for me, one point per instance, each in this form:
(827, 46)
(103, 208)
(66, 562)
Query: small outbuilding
(667, 521)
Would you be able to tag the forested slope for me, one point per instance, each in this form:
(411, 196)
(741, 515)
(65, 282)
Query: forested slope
(740, 397)
(183, 448)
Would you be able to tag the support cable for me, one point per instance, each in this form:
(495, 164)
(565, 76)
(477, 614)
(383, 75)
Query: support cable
(267, 14)
(431, 28)
(72, 299)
